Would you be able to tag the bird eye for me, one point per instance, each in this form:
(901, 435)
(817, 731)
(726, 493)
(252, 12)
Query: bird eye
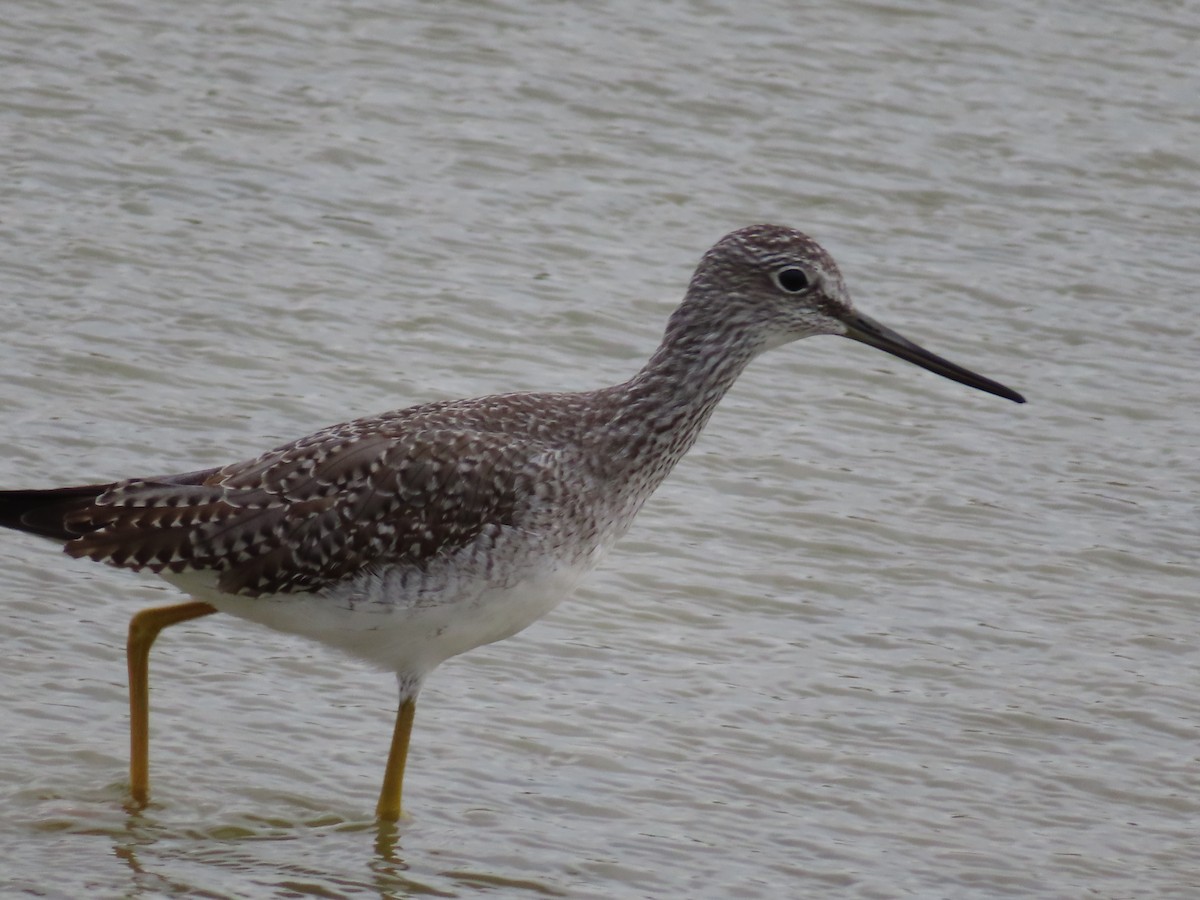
(792, 280)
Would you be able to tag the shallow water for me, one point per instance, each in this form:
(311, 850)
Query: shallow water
(878, 636)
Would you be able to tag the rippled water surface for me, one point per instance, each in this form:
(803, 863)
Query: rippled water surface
(879, 635)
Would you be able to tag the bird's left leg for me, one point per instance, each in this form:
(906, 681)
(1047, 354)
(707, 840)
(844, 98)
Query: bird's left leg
(388, 809)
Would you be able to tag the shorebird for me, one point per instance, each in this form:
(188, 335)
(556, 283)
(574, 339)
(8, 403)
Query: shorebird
(409, 537)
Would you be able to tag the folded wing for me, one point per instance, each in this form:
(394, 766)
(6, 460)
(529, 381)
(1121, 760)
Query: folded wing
(300, 517)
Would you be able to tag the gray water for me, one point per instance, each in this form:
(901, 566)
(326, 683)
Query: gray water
(879, 635)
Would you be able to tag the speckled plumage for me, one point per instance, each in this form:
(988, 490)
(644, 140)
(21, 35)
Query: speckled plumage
(417, 534)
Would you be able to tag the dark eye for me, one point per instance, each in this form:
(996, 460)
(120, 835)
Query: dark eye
(792, 280)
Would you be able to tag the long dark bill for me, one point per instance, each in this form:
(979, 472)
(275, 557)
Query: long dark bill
(867, 331)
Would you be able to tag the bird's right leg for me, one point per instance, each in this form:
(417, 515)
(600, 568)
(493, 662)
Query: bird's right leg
(143, 629)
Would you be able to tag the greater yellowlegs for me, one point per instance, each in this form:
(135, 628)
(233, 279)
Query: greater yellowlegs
(413, 536)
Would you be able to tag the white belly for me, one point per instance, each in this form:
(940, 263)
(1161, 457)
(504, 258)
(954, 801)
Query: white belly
(406, 621)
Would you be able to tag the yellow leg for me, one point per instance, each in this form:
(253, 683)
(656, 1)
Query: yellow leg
(143, 629)
(388, 809)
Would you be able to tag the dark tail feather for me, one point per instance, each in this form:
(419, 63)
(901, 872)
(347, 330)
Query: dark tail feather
(45, 512)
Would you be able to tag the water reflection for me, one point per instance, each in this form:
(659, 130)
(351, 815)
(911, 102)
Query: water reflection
(160, 859)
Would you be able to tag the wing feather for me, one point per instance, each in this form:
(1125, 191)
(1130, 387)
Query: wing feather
(303, 516)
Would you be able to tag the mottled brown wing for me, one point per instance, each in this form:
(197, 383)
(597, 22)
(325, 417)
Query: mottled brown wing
(312, 513)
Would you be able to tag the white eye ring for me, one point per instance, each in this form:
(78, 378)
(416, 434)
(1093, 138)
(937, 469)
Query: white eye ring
(793, 279)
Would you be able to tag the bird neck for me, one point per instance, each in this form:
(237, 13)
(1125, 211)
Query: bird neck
(662, 409)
